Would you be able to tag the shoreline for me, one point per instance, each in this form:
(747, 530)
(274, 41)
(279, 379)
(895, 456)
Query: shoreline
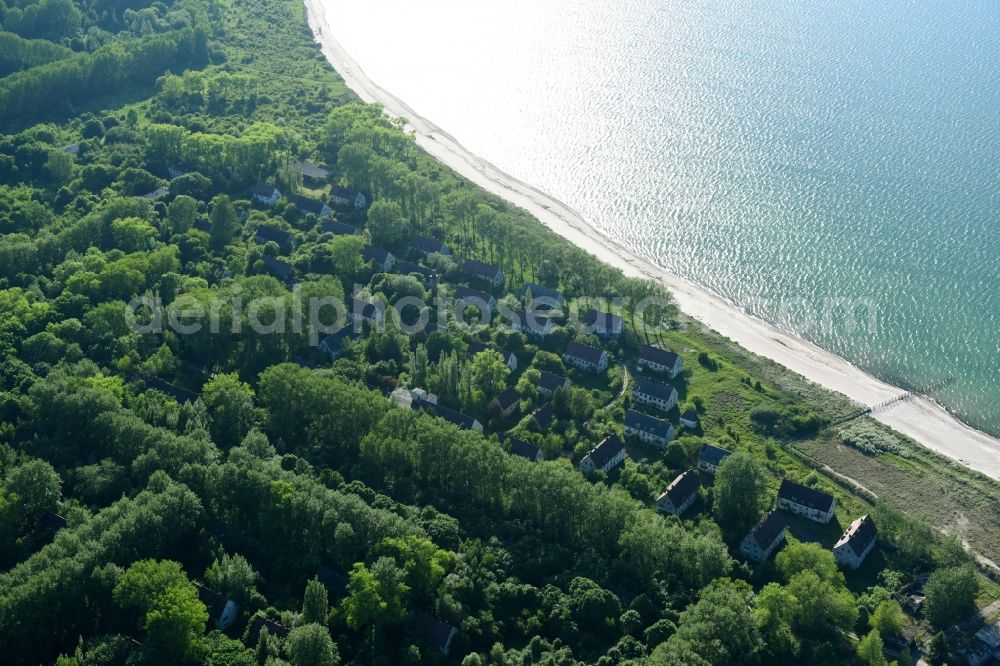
(919, 417)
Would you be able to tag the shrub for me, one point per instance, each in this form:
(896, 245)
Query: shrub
(870, 439)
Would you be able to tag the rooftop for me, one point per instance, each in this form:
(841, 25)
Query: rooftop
(861, 532)
(507, 398)
(181, 395)
(438, 633)
(279, 236)
(602, 321)
(767, 529)
(311, 170)
(472, 296)
(308, 205)
(278, 268)
(338, 228)
(805, 496)
(449, 415)
(646, 423)
(262, 190)
(335, 339)
(544, 416)
(375, 254)
(655, 389)
(519, 447)
(713, 454)
(346, 193)
(408, 267)
(657, 355)
(682, 487)
(428, 245)
(584, 352)
(480, 269)
(550, 381)
(606, 450)
(538, 292)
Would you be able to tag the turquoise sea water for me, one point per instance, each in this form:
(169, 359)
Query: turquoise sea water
(831, 167)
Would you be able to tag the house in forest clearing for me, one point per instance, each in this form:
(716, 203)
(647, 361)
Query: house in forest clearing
(550, 382)
(654, 394)
(309, 206)
(337, 228)
(313, 175)
(607, 455)
(679, 495)
(266, 195)
(467, 297)
(519, 447)
(506, 402)
(805, 501)
(648, 429)
(765, 538)
(536, 297)
(483, 271)
(344, 196)
(362, 310)
(439, 634)
(859, 540)
(425, 245)
(543, 417)
(381, 259)
(710, 457)
(463, 421)
(603, 324)
(689, 419)
(660, 361)
(411, 398)
(509, 358)
(278, 268)
(584, 357)
(280, 236)
(333, 344)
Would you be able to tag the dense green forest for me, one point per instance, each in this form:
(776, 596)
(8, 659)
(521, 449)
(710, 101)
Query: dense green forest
(238, 494)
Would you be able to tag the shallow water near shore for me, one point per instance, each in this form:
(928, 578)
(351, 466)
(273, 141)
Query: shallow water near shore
(833, 169)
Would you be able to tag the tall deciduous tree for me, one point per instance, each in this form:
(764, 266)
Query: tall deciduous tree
(386, 223)
(167, 604)
(887, 619)
(489, 373)
(739, 491)
(234, 576)
(311, 645)
(376, 596)
(224, 222)
(951, 594)
(870, 649)
(717, 629)
(181, 213)
(314, 603)
(230, 408)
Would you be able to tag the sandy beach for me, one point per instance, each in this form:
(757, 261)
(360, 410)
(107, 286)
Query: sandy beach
(919, 418)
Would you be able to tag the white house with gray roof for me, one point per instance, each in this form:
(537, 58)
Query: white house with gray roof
(807, 502)
(605, 456)
(585, 357)
(679, 495)
(765, 538)
(648, 429)
(654, 394)
(660, 361)
(859, 540)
